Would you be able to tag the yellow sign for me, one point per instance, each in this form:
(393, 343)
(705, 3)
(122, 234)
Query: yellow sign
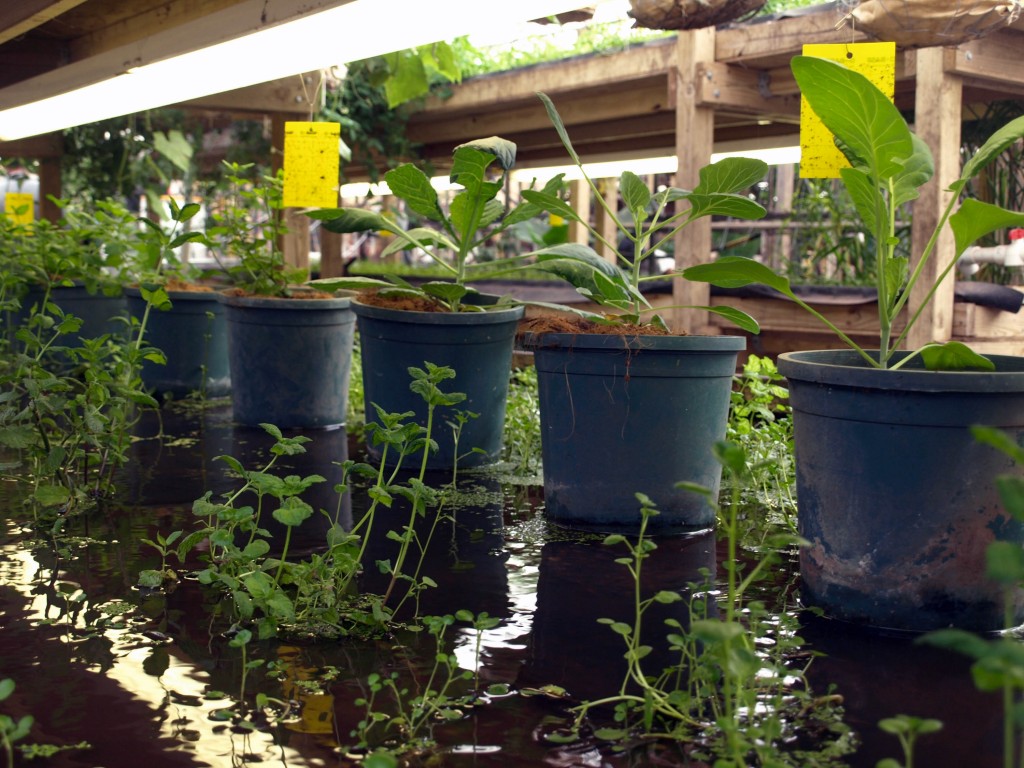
(20, 207)
(819, 156)
(311, 164)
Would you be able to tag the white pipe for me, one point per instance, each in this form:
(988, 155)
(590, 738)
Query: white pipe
(1011, 255)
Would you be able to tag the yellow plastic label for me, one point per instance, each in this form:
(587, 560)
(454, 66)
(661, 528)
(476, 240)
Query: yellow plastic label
(311, 164)
(819, 156)
(20, 207)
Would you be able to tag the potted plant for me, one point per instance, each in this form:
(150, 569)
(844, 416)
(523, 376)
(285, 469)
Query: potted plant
(626, 406)
(74, 266)
(188, 326)
(289, 346)
(895, 497)
(444, 322)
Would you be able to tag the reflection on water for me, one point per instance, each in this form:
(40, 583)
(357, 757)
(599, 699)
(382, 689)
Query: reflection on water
(142, 677)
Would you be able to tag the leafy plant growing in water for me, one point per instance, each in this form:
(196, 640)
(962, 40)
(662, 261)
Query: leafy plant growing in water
(652, 225)
(727, 700)
(888, 166)
(474, 216)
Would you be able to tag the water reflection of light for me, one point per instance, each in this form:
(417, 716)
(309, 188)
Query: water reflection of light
(511, 634)
(182, 681)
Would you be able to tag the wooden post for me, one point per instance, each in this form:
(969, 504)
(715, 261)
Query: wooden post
(695, 130)
(937, 106)
(295, 244)
(331, 262)
(579, 196)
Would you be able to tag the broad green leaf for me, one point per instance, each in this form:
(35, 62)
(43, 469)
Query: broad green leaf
(896, 271)
(578, 265)
(293, 512)
(736, 206)
(730, 175)
(868, 126)
(502, 149)
(954, 356)
(408, 79)
(551, 203)
(17, 436)
(737, 317)
(976, 219)
(528, 210)
(736, 272)
(51, 495)
(175, 147)
(445, 62)
(412, 185)
(448, 292)
(867, 198)
(346, 220)
(917, 170)
(997, 143)
(418, 237)
(259, 585)
(635, 194)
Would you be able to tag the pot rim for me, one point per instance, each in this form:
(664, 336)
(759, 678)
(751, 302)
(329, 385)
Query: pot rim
(845, 367)
(503, 314)
(615, 342)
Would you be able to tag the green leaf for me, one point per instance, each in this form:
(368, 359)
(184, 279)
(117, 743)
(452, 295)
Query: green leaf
(710, 630)
(954, 356)
(869, 128)
(737, 317)
(347, 220)
(293, 512)
(635, 194)
(583, 268)
(408, 79)
(730, 176)
(976, 219)
(999, 440)
(412, 185)
(349, 283)
(447, 292)
(503, 150)
(556, 121)
(1004, 562)
(551, 203)
(997, 143)
(736, 272)
(51, 495)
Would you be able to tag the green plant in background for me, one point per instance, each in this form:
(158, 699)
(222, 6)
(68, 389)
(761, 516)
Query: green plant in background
(244, 238)
(521, 447)
(888, 165)
(474, 216)
(907, 729)
(999, 662)
(760, 422)
(650, 226)
(12, 731)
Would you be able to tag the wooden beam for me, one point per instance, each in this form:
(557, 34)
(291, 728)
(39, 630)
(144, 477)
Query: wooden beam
(773, 43)
(937, 122)
(994, 59)
(579, 198)
(695, 128)
(17, 18)
(296, 95)
(744, 90)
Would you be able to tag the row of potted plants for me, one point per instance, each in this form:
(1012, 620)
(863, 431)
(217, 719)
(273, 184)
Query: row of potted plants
(897, 500)
(896, 529)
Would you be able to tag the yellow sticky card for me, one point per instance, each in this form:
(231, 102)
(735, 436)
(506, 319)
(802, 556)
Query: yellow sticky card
(819, 157)
(20, 207)
(311, 164)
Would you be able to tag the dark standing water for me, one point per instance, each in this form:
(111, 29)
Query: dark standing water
(136, 684)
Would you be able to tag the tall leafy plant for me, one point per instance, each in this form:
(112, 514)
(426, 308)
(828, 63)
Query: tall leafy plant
(888, 165)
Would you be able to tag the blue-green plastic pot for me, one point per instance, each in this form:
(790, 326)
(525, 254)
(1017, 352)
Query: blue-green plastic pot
(896, 497)
(476, 345)
(289, 360)
(99, 312)
(193, 336)
(622, 415)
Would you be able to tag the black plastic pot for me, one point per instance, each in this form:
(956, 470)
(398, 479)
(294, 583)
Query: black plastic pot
(621, 415)
(896, 497)
(476, 345)
(289, 360)
(193, 336)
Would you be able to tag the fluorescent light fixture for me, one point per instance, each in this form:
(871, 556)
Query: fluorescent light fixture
(146, 74)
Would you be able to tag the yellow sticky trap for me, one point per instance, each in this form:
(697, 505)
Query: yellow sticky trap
(311, 164)
(20, 207)
(819, 156)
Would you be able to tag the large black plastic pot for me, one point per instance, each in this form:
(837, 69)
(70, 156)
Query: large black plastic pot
(895, 496)
(289, 359)
(476, 345)
(193, 336)
(621, 415)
